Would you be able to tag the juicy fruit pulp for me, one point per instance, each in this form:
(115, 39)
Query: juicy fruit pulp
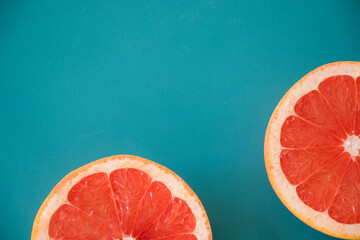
(320, 148)
(127, 204)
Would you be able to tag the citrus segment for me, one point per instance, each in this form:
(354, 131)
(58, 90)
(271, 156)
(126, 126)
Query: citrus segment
(153, 205)
(93, 195)
(320, 188)
(69, 222)
(340, 92)
(312, 149)
(357, 117)
(177, 219)
(122, 198)
(129, 186)
(314, 108)
(346, 205)
(299, 164)
(298, 133)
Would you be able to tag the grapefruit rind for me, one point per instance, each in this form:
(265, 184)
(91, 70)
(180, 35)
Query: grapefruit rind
(321, 221)
(157, 172)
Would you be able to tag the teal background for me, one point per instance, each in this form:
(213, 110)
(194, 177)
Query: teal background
(188, 84)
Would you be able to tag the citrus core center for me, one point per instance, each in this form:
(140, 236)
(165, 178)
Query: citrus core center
(352, 145)
(128, 238)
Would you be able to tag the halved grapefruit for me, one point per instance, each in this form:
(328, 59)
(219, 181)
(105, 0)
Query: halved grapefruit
(312, 148)
(122, 197)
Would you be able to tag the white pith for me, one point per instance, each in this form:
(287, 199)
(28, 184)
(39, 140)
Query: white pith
(285, 190)
(127, 238)
(174, 183)
(352, 145)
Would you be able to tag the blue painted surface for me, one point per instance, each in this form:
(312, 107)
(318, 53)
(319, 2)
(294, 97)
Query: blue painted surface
(190, 85)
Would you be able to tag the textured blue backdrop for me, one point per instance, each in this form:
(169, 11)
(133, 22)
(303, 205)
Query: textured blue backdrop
(188, 84)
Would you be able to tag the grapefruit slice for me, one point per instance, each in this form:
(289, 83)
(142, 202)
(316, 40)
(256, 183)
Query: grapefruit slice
(122, 197)
(312, 148)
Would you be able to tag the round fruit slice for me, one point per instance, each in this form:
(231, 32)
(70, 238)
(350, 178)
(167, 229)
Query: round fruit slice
(122, 197)
(312, 149)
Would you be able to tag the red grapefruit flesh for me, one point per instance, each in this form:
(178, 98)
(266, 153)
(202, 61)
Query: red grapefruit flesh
(122, 197)
(312, 149)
